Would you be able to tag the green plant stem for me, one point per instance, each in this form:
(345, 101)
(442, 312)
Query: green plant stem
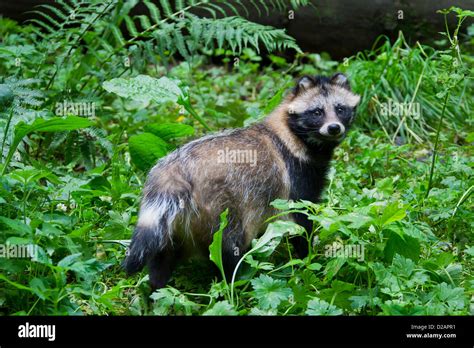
(455, 55)
(235, 273)
(463, 198)
(435, 148)
(5, 132)
(188, 107)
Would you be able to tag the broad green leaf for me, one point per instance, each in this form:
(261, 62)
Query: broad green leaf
(333, 267)
(315, 266)
(402, 267)
(69, 260)
(15, 225)
(340, 286)
(145, 88)
(275, 101)
(167, 131)
(56, 124)
(390, 308)
(283, 204)
(41, 256)
(215, 249)
(469, 250)
(272, 237)
(145, 149)
(39, 125)
(29, 175)
(38, 288)
(356, 220)
(268, 106)
(392, 213)
(12, 241)
(406, 246)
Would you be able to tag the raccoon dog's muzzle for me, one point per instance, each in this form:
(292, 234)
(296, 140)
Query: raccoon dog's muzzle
(332, 130)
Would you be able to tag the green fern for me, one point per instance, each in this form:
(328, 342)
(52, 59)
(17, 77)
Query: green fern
(172, 27)
(18, 99)
(182, 25)
(239, 33)
(66, 18)
(63, 27)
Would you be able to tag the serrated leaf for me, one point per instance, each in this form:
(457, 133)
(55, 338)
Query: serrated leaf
(317, 306)
(221, 308)
(452, 296)
(270, 292)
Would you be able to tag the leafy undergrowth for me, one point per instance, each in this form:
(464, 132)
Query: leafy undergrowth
(379, 246)
(388, 237)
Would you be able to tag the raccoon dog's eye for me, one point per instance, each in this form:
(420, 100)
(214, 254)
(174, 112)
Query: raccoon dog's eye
(317, 112)
(339, 109)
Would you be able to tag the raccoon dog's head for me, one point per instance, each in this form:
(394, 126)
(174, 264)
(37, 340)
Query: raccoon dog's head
(321, 109)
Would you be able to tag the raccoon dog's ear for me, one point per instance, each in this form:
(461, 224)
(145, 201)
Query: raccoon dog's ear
(341, 80)
(304, 83)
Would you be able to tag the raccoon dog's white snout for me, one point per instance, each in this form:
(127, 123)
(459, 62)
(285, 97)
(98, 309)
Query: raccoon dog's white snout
(332, 129)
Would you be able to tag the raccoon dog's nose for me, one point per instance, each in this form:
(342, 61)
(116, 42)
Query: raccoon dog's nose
(334, 129)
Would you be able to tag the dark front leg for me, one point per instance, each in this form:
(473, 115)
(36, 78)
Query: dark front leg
(232, 247)
(300, 243)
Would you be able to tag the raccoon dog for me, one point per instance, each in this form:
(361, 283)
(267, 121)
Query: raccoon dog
(287, 156)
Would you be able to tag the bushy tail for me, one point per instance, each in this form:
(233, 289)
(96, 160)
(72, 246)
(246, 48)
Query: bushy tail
(153, 232)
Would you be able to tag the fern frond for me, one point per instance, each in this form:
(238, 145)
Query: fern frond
(239, 33)
(22, 93)
(154, 11)
(144, 22)
(67, 16)
(118, 36)
(214, 9)
(165, 4)
(132, 29)
(171, 26)
(22, 99)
